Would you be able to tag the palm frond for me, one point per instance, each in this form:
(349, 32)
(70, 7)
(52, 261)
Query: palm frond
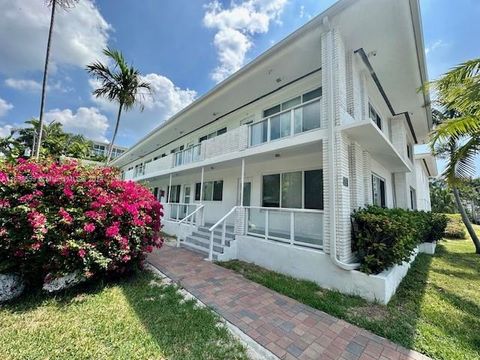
(455, 128)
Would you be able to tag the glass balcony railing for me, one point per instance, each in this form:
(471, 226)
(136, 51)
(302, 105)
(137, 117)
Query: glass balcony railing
(290, 122)
(187, 156)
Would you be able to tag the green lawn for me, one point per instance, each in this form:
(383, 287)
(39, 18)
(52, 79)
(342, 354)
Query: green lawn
(137, 318)
(436, 309)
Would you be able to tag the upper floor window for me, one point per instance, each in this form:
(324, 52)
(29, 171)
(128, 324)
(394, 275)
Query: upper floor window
(413, 199)
(213, 134)
(293, 102)
(410, 151)
(373, 114)
(378, 191)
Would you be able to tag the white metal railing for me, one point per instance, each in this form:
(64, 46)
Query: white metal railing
(223, 221)
(178, 211)
(191, 219)
(290, 122)
(187, 156)
(301, 227)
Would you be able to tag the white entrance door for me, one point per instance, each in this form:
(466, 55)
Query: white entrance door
(186, 199)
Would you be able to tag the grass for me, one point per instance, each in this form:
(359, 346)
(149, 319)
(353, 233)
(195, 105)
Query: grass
(137, 318)
(436, 309)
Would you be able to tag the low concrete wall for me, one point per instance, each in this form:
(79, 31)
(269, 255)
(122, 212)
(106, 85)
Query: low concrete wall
(427, 248)
(172, 228)
(317, 266)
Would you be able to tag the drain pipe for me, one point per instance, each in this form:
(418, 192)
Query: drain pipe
(331, 153)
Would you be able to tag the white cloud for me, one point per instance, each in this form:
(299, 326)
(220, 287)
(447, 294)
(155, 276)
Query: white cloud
(235, 27)
(166, 100)
(5, 130)
(5, 107)
(86, 121)
(79, 36)
(34, 86)
(436, 45)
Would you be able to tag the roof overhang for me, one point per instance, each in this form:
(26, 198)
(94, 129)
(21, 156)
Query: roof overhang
(391, 28)
(429, 162)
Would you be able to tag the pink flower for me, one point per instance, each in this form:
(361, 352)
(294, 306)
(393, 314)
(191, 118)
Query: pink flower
(64, 251)
(67, 191)
(3, 178)
(66, 217)
(89, 227)
(149, 248)
(36, 246)
(82, 253)
(112, 230)
(126, 258)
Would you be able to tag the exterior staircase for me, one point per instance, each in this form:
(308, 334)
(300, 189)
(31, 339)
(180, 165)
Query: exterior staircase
(199, 241)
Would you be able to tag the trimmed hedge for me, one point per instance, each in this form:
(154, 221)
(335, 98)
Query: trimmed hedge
(58, 219)
(383, 238)
(455, 227)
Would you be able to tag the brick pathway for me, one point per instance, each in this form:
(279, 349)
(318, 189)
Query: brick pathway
(284, 326)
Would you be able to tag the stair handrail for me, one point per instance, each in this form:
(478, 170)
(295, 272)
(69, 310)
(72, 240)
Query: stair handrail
(213, 227)
(185, 218)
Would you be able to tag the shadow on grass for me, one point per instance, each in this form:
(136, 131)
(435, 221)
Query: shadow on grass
(181, 329)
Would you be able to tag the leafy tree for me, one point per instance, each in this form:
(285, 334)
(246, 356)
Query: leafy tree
(441, 197)
(56, 142)
(457, 137)
(65, 4)
(122, 84)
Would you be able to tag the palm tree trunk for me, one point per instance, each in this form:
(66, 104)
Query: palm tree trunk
(466, 220)
(110, 147)
(44, 84)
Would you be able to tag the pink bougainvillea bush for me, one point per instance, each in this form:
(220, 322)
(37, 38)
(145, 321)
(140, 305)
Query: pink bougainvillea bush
(57, 219)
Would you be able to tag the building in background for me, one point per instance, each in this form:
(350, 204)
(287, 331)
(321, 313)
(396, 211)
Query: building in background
(100, 149)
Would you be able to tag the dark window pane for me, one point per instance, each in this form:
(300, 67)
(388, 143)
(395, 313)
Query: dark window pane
(312, 94)
(271, 111)
(292, 190)
(222, 131)
(203, 138)
(217, 190)
(311, 116)
(197, 191)
(155, 192)
(271, 191)
(314, 189)
(291, 103)
(275, 127)
(208, 191)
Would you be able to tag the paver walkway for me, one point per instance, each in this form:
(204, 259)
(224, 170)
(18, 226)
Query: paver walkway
(287, 328)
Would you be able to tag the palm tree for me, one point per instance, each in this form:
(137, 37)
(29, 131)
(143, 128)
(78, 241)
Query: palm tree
(457, 137)
(65, 4)
(123, 84)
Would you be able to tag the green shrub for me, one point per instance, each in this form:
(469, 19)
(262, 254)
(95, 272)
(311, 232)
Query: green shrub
(455, 227)
(383, 238)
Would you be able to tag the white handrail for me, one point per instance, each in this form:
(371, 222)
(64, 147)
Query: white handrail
(185, 218)
(315, 211)
(212, 228)
(190, 215)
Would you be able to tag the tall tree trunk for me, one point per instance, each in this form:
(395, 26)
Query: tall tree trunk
(110, 147)
(466, 220)
(44, 84)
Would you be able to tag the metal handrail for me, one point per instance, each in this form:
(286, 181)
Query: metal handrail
(189, 215)
(314, 211)
(212, 229)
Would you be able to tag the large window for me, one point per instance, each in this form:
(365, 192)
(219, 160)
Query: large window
(174, 197)
(298, 189)
(374, 116)
(212, 191)
(378, 191)
(316, 93)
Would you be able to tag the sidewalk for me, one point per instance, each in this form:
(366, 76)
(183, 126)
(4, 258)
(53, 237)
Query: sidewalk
(287, 328)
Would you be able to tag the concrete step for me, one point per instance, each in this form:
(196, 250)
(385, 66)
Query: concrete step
(204, 243)
(218, 232)
(198, 249)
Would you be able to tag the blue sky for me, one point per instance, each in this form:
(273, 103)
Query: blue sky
(183, 47)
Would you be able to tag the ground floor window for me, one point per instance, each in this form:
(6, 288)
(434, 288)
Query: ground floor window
(378, 191)
(175, 196)
(413, 199)
(297, 189)
(212, 191)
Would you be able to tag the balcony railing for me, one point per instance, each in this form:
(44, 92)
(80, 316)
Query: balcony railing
(301, 118)
(179, 211)
(300, 227)
(187, 156)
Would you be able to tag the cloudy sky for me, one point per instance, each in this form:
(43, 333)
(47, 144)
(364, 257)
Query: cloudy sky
(182, 47)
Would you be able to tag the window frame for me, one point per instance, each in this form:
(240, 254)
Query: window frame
(377, 119)
(213, 184)
(301, 97)
(280, 174)
(383, 202)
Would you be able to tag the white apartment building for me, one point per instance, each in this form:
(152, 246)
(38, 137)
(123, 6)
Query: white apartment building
(268, 166)
(100, 148)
